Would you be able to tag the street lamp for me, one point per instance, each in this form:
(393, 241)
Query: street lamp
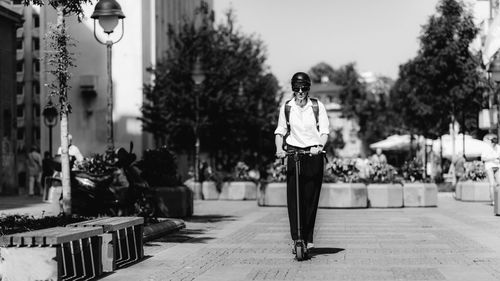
(198, 77)
(494, 69)
(50, 114)
(108, 13)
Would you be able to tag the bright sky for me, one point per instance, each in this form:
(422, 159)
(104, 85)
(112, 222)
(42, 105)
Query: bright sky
(378, 35)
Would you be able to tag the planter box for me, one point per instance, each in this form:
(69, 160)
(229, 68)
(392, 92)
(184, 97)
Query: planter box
(385, 195)
(209, 190)
(473, 191)
(343, 195)
(178, 199)
(195, 188)
(272, 194)
(238, 190)
(419, 194)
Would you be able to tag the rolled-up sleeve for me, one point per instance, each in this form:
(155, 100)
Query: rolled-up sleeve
(281, 128)
(324, 123)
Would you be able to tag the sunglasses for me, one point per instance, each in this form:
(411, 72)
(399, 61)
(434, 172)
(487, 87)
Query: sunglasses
(303, 88)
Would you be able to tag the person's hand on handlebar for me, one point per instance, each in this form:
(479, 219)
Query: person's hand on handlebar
(315, 150)
(280, 153)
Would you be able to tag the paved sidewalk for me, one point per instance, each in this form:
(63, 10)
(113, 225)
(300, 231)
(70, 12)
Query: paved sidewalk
(240, 241)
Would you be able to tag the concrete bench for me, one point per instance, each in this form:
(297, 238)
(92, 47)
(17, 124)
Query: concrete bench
(209, 190)
(57, 253)
(385, 195)
(121, 239)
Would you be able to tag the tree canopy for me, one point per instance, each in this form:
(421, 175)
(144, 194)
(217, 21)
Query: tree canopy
(443, 82)
(238, 99)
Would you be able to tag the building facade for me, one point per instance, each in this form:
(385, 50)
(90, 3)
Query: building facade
(9, 23)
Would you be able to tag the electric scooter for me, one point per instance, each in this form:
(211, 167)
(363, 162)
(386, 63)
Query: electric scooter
(300, 246)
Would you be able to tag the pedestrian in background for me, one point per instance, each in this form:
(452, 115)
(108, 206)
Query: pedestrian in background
(73, 151)
(491, 158)
(304, 133)
(34, 170)
(379, 157)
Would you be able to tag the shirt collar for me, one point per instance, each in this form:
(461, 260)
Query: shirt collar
(309, 103)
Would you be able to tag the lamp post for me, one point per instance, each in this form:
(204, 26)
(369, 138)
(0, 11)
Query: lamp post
(494, 69)
(50, 114)
(108, 13)
(198, 77)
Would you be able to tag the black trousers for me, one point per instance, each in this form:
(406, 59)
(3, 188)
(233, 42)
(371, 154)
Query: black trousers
(310, 180)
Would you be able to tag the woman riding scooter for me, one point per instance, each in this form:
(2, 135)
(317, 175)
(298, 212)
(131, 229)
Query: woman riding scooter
(303, 127)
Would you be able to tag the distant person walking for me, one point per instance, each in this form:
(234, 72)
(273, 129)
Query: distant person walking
(34, 170)
(305, 123)
(73, 150)
(491, 160)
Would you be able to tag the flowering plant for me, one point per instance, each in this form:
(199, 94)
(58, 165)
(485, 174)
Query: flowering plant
(276, 171)
(241, 172)
(413, 171)
(383, 173)
(97, 164)
(341, 170)
(474, 171)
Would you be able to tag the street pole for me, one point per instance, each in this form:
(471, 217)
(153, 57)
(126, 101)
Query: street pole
(197, 136)
(50, 141)
(109, 116)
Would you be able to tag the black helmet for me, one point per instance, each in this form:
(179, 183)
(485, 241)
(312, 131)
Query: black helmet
(301, 79)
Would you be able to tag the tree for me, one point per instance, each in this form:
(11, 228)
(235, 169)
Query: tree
(238, 99)
(61, 59)
(443, 82)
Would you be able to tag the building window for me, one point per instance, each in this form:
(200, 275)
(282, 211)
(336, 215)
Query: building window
(36, 134)
(20, 111)
(20, 134)
(7, 129)
(20, 66)
(18, 2)
(19, 43)
(20, 88)
(36, 111)
(36, 44)
(36, 87)
(36, 21)
(36, 65)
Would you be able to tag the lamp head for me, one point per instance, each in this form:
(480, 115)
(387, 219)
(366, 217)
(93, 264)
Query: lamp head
(108, 12)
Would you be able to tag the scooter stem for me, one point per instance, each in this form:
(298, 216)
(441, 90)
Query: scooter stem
(297, 168)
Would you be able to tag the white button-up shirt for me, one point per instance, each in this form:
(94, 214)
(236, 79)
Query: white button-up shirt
(490, 157)
(303, 131)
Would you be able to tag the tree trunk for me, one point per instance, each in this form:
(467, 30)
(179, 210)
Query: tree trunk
(63, 88)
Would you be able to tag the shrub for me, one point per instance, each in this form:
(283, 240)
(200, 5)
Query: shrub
(159, 168)
(276, 171)
(383, 173)
(413, 171)
(341, 170)
(96, 164)
(21, 223)
(474, 171)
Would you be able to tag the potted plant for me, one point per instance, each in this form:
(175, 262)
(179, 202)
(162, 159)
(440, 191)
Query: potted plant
(418, 191)
(159, 169)
(342, 186)
(473, 185)
(385, 189)
(272, 190)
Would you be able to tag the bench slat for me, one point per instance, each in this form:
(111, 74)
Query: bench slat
(111, 223)
(52, 236)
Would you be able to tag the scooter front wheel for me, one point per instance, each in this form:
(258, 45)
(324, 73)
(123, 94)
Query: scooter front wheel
(300, 252)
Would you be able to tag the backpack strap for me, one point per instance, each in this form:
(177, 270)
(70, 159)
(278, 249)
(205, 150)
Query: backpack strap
(287, 118)
(316, 111)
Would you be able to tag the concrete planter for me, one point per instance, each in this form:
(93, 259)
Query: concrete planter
(419, 194)
(195, 188)
(178, 199)
(343, 195)
(385, 195)
(238, 190)
(272, 194)
(472, 191)
(209, 190)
